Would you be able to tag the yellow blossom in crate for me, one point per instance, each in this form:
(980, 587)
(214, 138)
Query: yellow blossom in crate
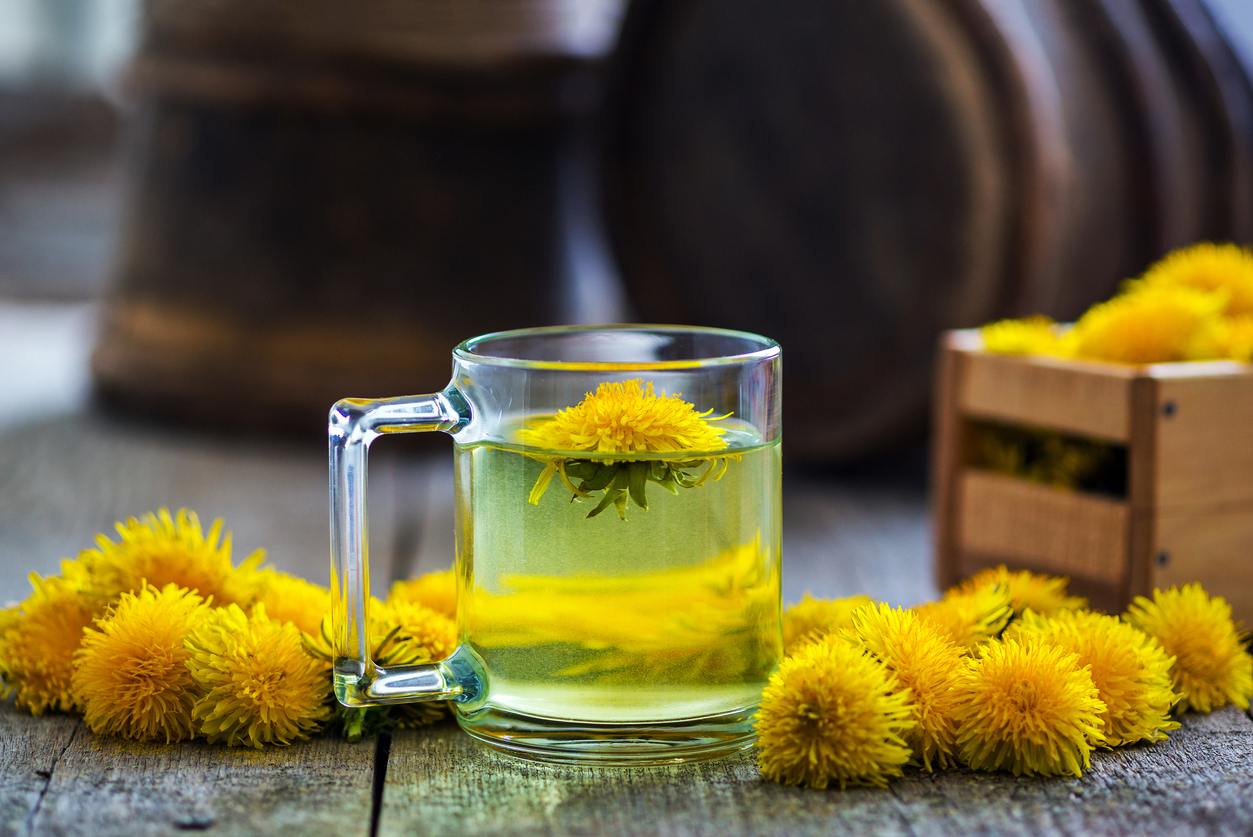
(1152, 324)
(1226, 268)
(1212, 667)
(161, 549)
(1028, 707)
(1045, 594)
(1129, 668)
(1230, 338)
(1029, 336)
(258, 684)
(130, 674)
(810, 619)
(926, 662)
(437, 590)
(38, 639)
(291, 599)
(970, 618)
(832, 714)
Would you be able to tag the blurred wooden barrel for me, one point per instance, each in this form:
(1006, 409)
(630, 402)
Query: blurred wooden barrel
(327, 196)
(853, 178)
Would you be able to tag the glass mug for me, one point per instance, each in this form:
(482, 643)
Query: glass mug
(614, 607)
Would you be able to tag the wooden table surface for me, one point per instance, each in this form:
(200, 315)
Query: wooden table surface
(67, 473)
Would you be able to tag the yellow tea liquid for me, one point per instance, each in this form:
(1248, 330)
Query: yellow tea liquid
(671, 614)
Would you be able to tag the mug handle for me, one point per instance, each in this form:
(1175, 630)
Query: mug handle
(353, 425)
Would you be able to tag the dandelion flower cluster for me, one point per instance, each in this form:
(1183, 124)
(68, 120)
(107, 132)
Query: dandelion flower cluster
(1212, 667)
(1223, 268)
(1030, 336)
(1152, 324)
(811, 620)
(1044, 594)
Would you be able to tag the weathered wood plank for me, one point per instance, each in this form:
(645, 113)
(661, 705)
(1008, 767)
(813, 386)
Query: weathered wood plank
(439, 781)
(30, 749)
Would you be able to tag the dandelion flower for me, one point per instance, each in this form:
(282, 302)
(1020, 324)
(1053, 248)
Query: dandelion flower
(130, 674)
(1129, 668)
(161, 550)
(1045, 594)
(926, 662)
(812, 619)
(38, 639)
(1226, 268)
(1211, 667)
(1028, 707)
(1153, 324)
(260, 686)
(833, 714)
(1226, 337)
(970, 618)
(1030, 336)
(419, 630)
(437, 590)
(291, 599)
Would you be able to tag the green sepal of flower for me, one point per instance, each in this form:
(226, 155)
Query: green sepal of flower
(626, 480)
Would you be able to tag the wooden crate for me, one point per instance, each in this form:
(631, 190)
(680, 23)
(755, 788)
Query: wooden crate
(1188, 510)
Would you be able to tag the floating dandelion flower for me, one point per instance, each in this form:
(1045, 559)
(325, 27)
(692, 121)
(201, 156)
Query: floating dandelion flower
(130, 674)
(833, 715)
(1211, 667)
(1045, 594)
(926, 662)
(1226, 268)
(260, 686)
(291, 599)
(38, 639)
(1029, 336)
(437, 590)
(1152, 324)
(160, 549)
(626, 418)
(1027, 707)
(1129, 668)
(811, 620)
(970, 618)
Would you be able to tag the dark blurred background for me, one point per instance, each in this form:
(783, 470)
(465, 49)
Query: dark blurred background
(270, 204)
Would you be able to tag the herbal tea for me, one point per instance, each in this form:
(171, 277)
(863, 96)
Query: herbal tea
(634, 589)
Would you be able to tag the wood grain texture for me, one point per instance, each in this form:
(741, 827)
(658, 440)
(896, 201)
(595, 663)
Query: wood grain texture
(1188, 543)
(1205, 444)
(438, 782)
(30, 749)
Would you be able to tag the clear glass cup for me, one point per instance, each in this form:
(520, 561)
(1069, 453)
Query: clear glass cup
(613, 608)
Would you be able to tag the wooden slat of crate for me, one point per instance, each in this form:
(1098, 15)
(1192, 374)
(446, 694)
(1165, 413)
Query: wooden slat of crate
(1191, 543)
(1204, 434)
(1064, 532)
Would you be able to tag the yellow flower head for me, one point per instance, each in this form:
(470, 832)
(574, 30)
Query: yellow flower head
(1150, 324)
(627, 417)
(1030, 336)
(833, 714)
(437, 590)
(420, 633)
(1045, 594)
(1129, 668)
(1028, 707)
(970, 618)
(291, 599)
(811, 620)
(130, 674)
(1211, 667)
(159, 549)
(1228, 338)
(1208, 267)
(38, 639)
(926, 662)
(260, 686)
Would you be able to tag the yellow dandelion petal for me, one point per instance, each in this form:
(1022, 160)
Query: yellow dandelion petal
(130, 674)
(1226, 268)
(833, 714)
(437, 590)
(160, 549)
(1229, 338)
(811, 620)
(1045, 594)
(1026, 706)
(1030, 336)
(926, 662)
(38, 639)
(291, 599)
(1129, 668)
(970, 618)
(1150, 324)
(1211, 668)
(260, 686)
(627, 417)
